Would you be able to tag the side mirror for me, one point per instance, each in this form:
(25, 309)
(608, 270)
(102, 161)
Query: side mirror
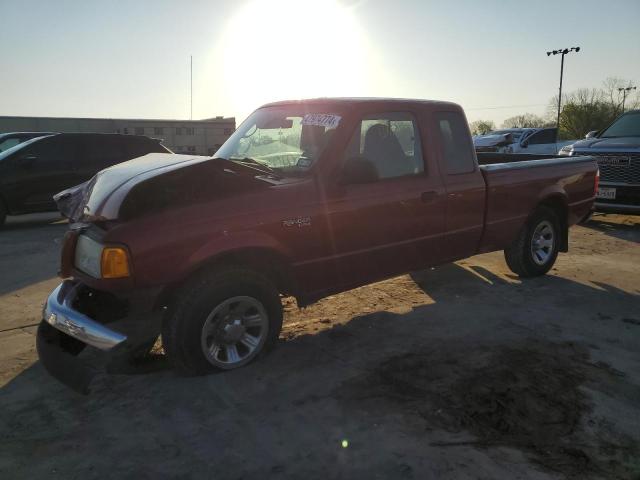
(591, 134)
(358, 170)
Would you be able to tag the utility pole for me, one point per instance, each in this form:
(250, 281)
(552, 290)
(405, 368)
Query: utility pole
(563, 52)
(191, 81)
(624, 91)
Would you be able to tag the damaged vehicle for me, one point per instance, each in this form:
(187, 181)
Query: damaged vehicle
(521, 140)
(306, 199)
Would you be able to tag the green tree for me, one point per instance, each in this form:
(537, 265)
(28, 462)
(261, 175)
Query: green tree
(481, 127)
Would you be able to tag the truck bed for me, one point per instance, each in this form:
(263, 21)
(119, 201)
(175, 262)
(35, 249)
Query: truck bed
(515, 185)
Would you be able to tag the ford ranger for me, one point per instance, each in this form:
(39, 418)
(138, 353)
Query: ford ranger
(307, 199)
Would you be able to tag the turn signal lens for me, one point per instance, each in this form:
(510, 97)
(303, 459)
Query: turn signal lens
(114, 263)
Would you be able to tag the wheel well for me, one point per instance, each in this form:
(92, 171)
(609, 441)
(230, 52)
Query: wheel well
(263, 260)
(558, 204)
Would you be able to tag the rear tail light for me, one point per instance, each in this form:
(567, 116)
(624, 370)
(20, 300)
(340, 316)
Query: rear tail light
(596, 182)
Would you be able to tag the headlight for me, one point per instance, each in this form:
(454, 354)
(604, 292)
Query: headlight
(101, 261)
(567, 150)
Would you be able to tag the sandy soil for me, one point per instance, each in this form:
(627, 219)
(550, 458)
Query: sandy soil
(458, 372)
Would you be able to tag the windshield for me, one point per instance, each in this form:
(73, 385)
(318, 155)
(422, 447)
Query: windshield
(628, 125)
(285, 139)
(9, 151)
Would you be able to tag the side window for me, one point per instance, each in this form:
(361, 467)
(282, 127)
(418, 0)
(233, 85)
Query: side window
(388, 144)
(455, 142)
(545, 136)
(54, 150)
(103, 152)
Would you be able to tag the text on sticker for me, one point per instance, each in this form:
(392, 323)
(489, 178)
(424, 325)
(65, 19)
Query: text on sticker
(326, 120)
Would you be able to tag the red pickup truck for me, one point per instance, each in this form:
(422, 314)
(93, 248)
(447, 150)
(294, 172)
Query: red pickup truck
(307, 198)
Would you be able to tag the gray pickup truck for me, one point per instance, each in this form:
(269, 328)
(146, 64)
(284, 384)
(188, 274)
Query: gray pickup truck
(617, 150)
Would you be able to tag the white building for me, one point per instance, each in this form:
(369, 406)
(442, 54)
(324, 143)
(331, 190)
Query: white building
(200, 137)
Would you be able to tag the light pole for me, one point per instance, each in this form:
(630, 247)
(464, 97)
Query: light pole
(624, 91)
(562, 52)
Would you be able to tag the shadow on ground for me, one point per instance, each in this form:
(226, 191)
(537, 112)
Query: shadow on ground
(406, 388)
(611, 225)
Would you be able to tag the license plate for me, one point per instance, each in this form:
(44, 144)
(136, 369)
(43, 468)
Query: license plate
(606, 193)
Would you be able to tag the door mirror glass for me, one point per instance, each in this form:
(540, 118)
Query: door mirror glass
(591, 134)
(358, 170)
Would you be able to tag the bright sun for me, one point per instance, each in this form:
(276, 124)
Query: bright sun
(287, 49)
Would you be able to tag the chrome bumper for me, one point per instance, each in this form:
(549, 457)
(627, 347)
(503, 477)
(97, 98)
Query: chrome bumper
(59, 313)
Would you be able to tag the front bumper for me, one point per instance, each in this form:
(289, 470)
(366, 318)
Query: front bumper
(75, 316)
(627, 199)
(60, 314)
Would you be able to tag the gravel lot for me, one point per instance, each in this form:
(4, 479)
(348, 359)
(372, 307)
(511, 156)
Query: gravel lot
(457, 372)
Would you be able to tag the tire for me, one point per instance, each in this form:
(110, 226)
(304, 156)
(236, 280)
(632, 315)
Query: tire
(219, 312)
(528, 259)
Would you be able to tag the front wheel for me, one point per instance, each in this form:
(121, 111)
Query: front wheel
(222, 320)
(535, 250)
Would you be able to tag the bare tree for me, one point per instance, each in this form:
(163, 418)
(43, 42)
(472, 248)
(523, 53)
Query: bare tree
(481, 127)
(586, 109)
(526, 120)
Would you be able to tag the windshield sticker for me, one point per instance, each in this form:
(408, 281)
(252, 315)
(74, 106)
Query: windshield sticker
(326, 120)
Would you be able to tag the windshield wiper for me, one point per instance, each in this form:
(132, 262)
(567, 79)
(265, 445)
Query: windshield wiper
(253, 161)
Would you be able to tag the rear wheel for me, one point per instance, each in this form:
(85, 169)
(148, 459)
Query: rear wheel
(535, 250)
(221, 321)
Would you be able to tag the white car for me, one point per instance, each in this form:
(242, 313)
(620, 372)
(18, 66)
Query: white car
(521, 140)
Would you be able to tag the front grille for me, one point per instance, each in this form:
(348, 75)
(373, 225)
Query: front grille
(618, 167)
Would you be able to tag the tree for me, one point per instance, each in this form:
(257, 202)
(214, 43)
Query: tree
(586, 109)
(526, 120)
(481, 127)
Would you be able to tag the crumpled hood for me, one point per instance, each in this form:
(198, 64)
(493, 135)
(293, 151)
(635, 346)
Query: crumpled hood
(605, 143)
(493, 140)
(154, 182)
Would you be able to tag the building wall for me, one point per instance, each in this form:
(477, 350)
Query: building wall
(200, 137)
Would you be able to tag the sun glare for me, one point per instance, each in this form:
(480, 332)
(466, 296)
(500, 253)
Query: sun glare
(287, 49)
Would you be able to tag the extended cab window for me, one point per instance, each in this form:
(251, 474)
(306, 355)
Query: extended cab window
(388, 143)
(455, 141)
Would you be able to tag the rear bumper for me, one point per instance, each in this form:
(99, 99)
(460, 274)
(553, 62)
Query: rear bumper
(60, 314)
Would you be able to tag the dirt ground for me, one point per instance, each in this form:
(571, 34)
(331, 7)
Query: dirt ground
(458, 372)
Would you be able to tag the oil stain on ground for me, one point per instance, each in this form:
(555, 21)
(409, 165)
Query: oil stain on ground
(526, 396)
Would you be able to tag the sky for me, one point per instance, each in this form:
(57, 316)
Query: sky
(131, 59)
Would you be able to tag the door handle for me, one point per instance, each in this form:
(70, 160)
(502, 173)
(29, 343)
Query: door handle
(428, 197)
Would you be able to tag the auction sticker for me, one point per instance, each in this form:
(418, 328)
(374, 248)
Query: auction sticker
(326, 120)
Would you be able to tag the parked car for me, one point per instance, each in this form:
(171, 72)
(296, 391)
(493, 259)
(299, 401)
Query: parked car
(346, 192)
(521, 140)
(34, 170)
(8, 140)
(617, 150)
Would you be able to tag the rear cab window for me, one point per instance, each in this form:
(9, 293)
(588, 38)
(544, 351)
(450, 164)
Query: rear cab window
(456, 147)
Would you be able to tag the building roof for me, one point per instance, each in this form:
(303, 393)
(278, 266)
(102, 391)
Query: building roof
(155, 120)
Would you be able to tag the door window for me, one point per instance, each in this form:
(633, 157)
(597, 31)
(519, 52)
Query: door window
(56, 151)
(387, 145)
(543, 137)
(455, 143)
